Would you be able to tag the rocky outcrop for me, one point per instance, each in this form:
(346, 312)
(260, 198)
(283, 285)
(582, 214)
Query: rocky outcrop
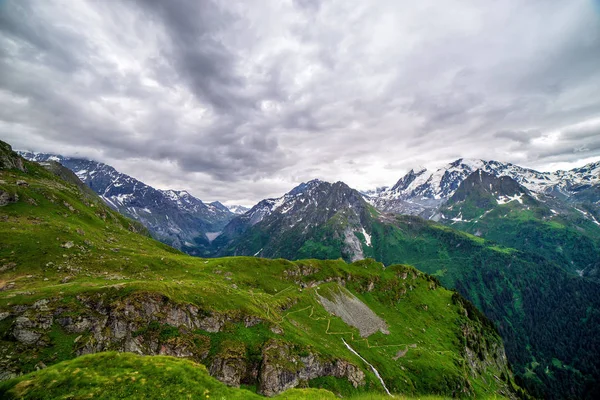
(152, 324)
(230, 366)
(9, 159)
(282, 369)
(7, 198)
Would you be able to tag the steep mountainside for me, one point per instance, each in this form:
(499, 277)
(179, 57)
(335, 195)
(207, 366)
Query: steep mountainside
(76, 279)
(173, 217)
(533, 299)
(501, 210)
(309, 221)
(421, 193)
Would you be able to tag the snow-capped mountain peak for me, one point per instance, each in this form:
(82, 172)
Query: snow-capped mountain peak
(423, 191)
(173, 216)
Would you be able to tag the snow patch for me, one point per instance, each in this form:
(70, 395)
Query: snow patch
(367, 237)
(508, 199)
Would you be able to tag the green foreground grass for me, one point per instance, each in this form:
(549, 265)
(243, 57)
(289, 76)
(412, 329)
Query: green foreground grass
(124, 375)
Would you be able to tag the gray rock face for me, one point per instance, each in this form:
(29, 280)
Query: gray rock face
(228, 371)
(282, 370)
(29, 328)
(7, 198)
(23, 331)
(354, 312)
(9, 159)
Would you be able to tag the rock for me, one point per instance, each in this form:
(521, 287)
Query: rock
(8, 267)
(40, 365)
(10, 159)
(282, 370)
(67, 245)
(229, 365)
(176, 347)
(4, 315)
(251, 320)
(41, 305)
(22, 183)
(23, 332)
(276, 329)
(80, 231)
(371, 286)
(7, 198)
(66, 279)
(212, 324)
(7, 286)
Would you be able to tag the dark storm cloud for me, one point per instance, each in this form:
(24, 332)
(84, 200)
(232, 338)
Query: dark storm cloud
(239, 100)
(195, 48)
(522, 137)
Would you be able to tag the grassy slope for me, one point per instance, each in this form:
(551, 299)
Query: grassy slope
(109, 258)
(543, 313)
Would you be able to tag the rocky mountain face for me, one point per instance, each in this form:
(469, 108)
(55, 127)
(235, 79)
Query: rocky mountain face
(502, 210)
(302, 223)
(479, 193)
(174, 217)
(423, 192)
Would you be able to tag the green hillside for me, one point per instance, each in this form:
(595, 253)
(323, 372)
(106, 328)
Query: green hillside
(566, 234)
(78, 278)
(547, 315)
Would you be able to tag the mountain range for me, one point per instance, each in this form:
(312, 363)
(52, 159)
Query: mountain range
(522, 245)
(174, 217)
(529, 256)
(85, 292)
(422, 192)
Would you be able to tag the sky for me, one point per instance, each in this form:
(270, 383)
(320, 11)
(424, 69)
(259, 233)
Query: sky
(240, 100)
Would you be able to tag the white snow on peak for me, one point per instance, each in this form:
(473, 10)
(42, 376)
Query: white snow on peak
(443, 182)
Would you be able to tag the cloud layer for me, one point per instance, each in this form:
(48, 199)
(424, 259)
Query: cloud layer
(241, 100)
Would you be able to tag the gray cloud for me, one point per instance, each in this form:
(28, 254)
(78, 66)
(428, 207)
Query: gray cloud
(239, 100)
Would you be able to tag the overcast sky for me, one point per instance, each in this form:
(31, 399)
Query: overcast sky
(238, 100)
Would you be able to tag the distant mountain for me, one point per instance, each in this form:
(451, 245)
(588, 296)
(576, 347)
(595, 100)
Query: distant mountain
(174, 217)
(302, 223)
(237, 209)
(500, 209)
(423, 192)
